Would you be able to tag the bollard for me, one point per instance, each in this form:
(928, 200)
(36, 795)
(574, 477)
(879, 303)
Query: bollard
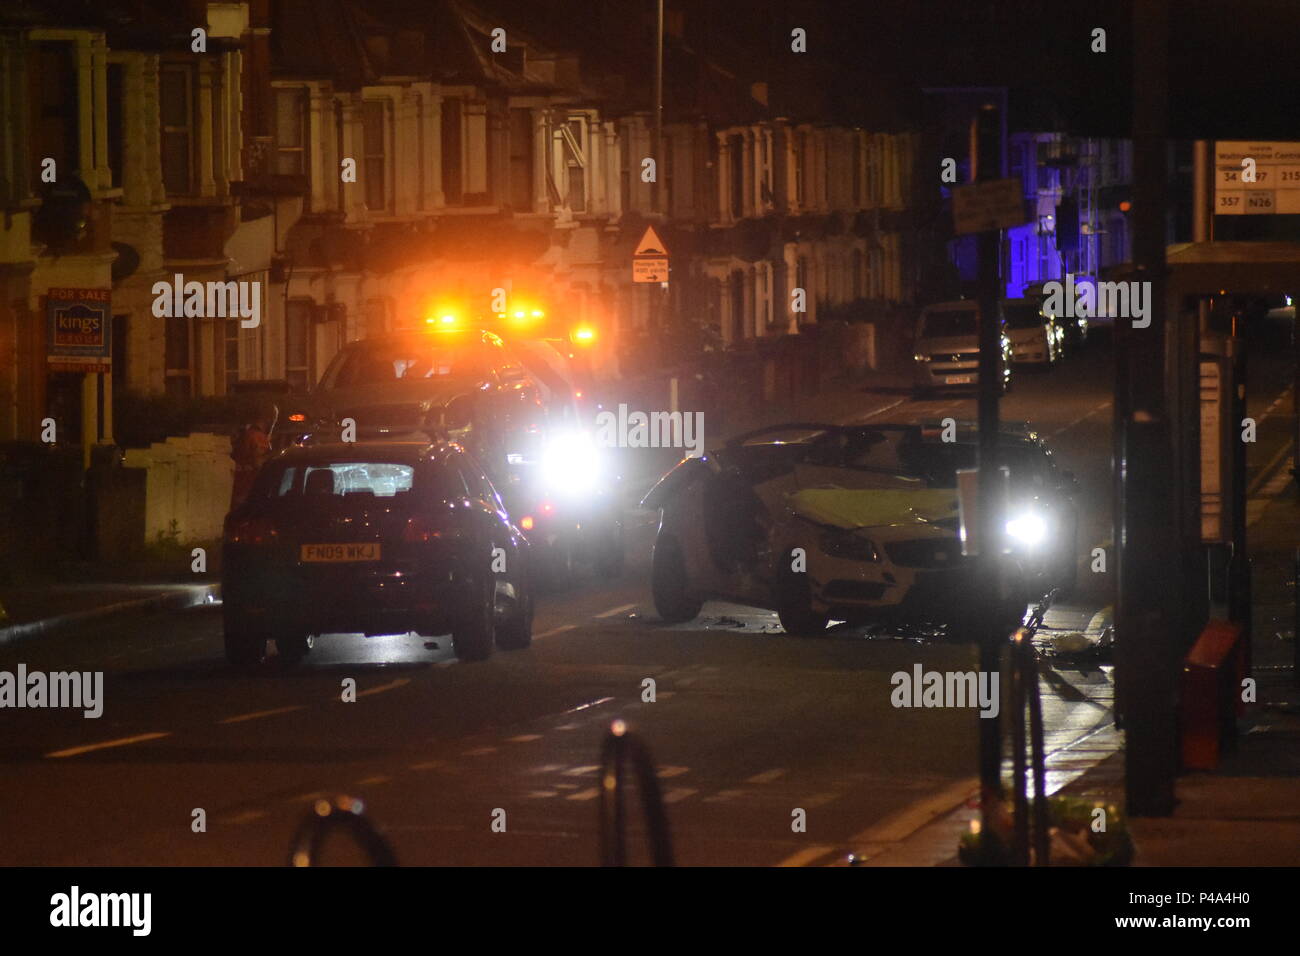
(621, 744)
(344, 813)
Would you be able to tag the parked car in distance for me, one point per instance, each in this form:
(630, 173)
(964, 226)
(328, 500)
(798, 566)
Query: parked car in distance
(1036, 339)
(946, 350)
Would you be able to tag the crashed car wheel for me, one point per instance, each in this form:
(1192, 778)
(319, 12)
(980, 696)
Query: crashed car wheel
(668, 584)
(292, 648)
(794, 607)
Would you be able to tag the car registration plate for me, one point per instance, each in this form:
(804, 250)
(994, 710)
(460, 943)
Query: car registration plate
(960, 379)
(335, 553)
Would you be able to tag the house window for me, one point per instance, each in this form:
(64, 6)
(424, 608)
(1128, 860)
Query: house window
(291, 132)
(180, 358)
(297, 340)
(452, 181)
(176, 112)
(55, 109)
(421, 160)
(521, 159)
(737, 158)
(668, 174)
(115, 121)
(230, 351)
(374, 161)
(573, 152)
(625, 170)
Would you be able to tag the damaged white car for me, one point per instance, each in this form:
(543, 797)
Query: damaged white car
(813, 521)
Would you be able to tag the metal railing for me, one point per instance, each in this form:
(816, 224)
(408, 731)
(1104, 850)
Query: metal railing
(620, 746)
(342, 813)
(1023, 665)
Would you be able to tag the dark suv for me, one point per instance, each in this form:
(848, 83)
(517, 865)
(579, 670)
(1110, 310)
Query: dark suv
(378, 538)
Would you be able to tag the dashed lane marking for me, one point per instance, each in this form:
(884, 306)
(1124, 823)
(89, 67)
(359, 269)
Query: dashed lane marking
(767, 776)
(899, 826)
(391, 685)
(616, 610)
(1085, 416)
(806, 855)
(555, 630)
(262, 713)
(107, 744)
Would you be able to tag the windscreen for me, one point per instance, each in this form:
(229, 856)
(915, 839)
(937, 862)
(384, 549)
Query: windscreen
(1022, 316)
(387, 363)
(939, 325)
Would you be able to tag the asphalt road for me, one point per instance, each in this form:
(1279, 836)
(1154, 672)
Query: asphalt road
(748, 725)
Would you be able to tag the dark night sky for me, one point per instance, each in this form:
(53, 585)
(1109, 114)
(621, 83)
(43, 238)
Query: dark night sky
(1235, 69)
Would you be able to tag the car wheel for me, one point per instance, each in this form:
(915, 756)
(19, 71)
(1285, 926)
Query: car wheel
(516, 631)
(473, 637)
(245, 642)
(293, 647)
(794, 603)
(668, 583)
(609, 556)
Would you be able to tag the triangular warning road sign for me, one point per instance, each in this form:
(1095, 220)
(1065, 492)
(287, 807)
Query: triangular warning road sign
(650, 244)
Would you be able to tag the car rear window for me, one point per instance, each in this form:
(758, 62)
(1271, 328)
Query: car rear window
(379, 478)
(385, 363)
(1022, 316)
(937, 325)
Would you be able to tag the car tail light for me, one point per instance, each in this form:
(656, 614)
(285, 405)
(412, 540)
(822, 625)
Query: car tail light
(420, 529)
(526, 523)
(254, 531)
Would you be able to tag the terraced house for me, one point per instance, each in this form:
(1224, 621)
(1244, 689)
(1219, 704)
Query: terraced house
(356, 163)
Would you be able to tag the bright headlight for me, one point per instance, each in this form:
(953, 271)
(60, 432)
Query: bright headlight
(1028, 528)
(571, 462)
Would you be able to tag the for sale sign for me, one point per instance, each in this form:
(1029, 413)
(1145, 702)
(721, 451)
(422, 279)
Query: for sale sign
(78, 327)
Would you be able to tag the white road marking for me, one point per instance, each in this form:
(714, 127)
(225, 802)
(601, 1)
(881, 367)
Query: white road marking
(806, 855)
(555, 630)
(678, 793)
(248, 816)
(581, 771)
(881, 410)
(904, 823)
(400, 682)
(427, 765)
(588, 794)
(373, 781)
(666, 772)
(616, 610)
(523, 738)
(262, 713)
(767, 776)
(120, 742)
(1081, 418)
(479, 752)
